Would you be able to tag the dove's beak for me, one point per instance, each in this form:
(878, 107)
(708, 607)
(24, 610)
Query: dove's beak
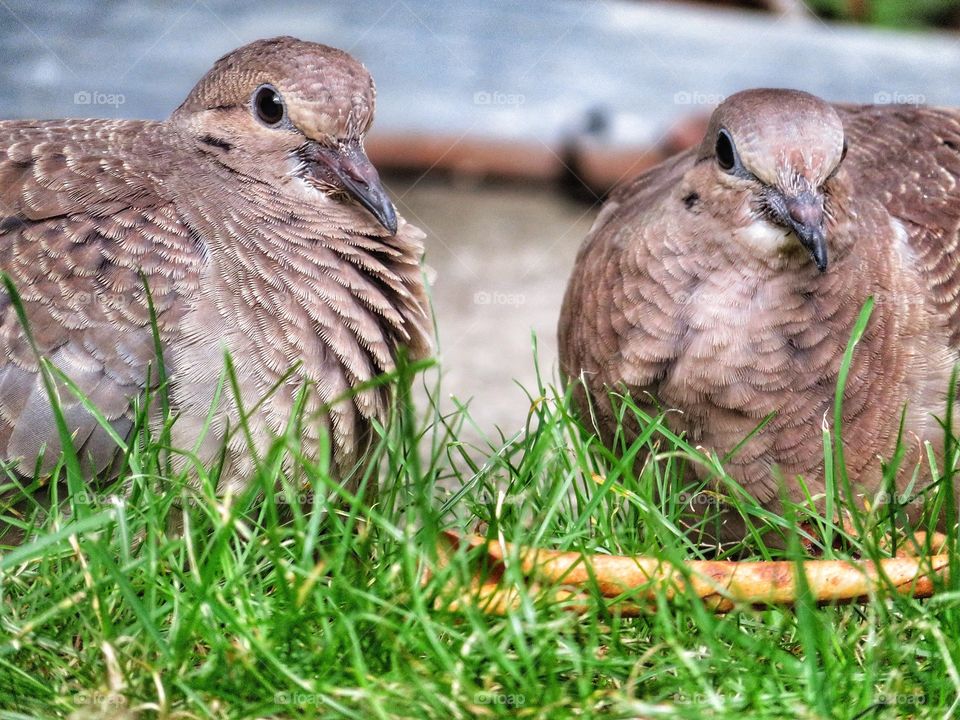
(805, 217)
(348, 168)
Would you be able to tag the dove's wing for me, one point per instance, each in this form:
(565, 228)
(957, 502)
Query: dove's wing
(616, 326)
(77, 228)
(908, 160)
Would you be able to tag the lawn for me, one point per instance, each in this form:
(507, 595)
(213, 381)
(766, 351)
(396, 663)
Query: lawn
(259, 607)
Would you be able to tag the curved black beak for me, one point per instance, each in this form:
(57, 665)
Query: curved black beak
(347, 167)
(804, 215)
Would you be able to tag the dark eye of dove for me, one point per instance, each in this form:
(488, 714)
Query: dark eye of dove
(726, 152)
(269, 106)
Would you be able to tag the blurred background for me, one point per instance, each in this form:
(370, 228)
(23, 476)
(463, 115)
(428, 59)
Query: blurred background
(500, 125)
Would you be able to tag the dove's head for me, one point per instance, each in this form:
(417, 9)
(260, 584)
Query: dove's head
(770, 154)
(287, 111)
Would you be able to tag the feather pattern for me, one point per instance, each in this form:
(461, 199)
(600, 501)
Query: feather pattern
(241, 255)
(689, 297)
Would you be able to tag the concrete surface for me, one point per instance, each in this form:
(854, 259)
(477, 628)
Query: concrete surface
(501, 257)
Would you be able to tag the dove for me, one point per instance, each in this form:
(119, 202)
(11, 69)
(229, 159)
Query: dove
(262, 231)
(723, 287)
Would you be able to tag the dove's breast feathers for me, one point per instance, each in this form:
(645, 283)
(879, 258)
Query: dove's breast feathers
(688, 311)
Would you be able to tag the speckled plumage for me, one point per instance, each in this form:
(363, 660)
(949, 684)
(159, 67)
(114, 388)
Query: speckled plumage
(249, 242)
(694, 293)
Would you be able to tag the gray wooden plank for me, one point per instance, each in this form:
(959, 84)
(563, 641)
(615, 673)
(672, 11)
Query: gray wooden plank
(525, 71)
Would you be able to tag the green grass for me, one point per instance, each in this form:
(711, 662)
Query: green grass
(890, 13)
(105, 612)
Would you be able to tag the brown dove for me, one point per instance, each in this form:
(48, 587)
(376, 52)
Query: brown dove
(261, 229)
(724, 285)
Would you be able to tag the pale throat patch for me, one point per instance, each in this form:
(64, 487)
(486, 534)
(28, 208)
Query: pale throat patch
(764, 237)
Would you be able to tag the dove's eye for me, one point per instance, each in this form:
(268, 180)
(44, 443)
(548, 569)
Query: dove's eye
(726, 154)
(268, 105)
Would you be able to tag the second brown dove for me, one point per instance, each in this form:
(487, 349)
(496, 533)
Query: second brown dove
(724, 286)
(262, 231)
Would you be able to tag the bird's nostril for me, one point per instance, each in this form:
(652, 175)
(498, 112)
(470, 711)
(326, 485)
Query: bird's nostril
(805, 212)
